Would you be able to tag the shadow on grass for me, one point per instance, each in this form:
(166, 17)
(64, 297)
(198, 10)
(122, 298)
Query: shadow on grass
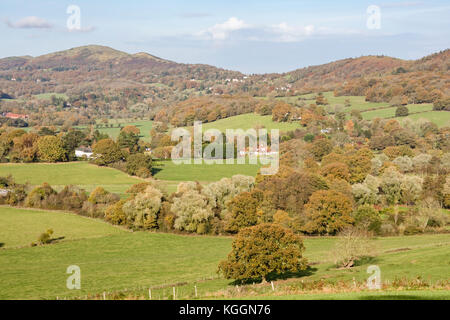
(366, 260)
(156, 170)
(2, 244)
(53, 240)
(278, 276)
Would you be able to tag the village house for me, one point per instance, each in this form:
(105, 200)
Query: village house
(259, 151)
(83, 152)
(11, 115)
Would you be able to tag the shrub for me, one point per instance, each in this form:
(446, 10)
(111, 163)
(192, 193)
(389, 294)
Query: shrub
(262, 251)
(142, 211)
(139, 164)
(106, 151)
(98, 201)
(71, 198)
(45, 237)
(191, 210)
(39, 195)
(402, 111)
(367, 218)
(115, 214)
(353, 245)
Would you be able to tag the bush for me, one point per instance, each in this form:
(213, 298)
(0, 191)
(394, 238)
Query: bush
(115, 214)
(262, 251)
(71, 198)
(37, 197)
(367, 218)
(139, 164)
(45, 237)
(402, 111)
(106, 151)
(142, 211)
(353, 245)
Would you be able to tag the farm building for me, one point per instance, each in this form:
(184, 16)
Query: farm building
(83, 152)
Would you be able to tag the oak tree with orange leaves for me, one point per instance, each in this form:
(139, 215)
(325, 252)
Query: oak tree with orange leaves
(263, 251)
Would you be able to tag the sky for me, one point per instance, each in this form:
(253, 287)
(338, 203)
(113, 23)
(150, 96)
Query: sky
(251, 36)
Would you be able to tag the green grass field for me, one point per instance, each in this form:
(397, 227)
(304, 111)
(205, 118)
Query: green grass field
(167, 170)
(82, 174)
(357, 102)
(113, 260)
(144, 125)
(249, 121)
(372, 110)
(441, 118)
(20, 227)
(88, 176)
(390, 112)
(48, 96)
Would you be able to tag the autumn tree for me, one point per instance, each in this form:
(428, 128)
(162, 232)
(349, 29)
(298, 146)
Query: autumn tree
(320, 148)
(140, 165)
(281, 112)
(327, 212)
(51, 149)
(243, 212)
(106, 151)
(142, 211)
(263, 251)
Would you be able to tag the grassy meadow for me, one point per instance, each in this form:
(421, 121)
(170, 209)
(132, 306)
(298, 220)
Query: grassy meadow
(372, 110)
(144, 125)
(249, 121)
(21, 227)
(82, 174)
(113, 260)
(169, 171)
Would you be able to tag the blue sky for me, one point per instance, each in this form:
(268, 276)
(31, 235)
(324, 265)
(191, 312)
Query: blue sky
(253, 36)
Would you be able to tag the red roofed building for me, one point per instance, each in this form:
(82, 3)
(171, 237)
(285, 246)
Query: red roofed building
(16, 116)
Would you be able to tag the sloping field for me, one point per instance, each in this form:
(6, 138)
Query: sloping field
(81, 174)
(21, 227)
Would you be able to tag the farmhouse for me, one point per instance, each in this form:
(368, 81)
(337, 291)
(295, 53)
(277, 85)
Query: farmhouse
(11, 115)
(259, 151)
(83, 152)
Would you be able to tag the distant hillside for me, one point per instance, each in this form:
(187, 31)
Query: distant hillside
(342, 70)
(105, 82)
(89, 67)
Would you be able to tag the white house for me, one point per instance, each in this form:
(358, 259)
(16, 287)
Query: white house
(83, 152)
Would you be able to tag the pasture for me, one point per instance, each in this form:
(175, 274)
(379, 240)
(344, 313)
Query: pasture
(139, 260)
(89, 176)
(249, 121)
(440, 118)
(20, 227)
(82, 174)
(169, 171)
(143, 125)
(372, 110)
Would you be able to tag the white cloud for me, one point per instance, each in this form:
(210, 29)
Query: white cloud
(30, 23)
(287, 33)
(236, 29)
(221, 31)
